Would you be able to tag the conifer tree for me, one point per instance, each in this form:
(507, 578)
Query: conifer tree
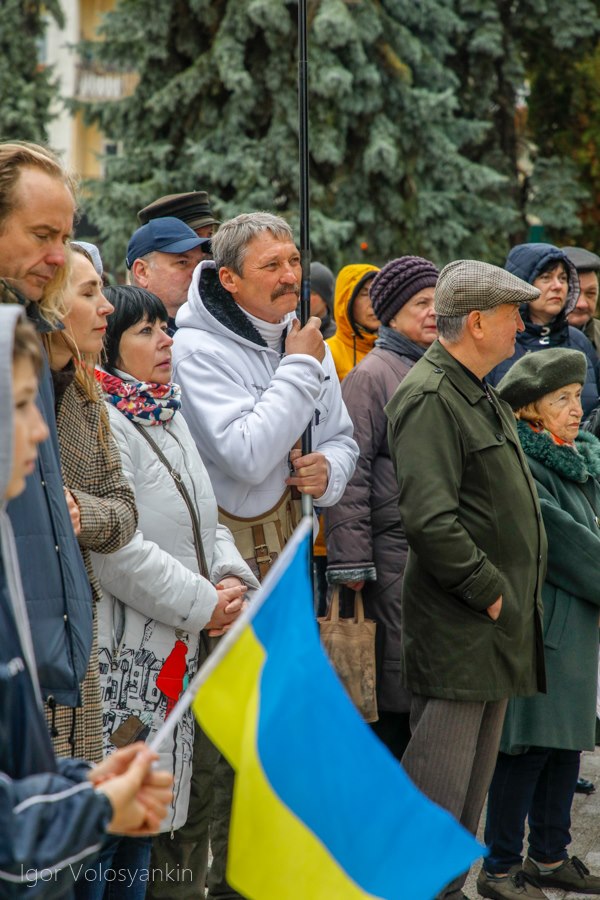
(517, 65)
(26, 86)
(216, 108)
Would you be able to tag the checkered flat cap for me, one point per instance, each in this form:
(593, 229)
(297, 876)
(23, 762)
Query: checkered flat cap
(467, 284)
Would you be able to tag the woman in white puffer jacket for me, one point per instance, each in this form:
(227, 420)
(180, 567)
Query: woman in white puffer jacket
(156, 601)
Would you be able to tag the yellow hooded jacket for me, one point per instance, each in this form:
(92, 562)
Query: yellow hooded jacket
(350, 343)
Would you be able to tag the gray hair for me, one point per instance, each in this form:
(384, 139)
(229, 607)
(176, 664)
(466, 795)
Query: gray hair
(231, 241)
(451, 328)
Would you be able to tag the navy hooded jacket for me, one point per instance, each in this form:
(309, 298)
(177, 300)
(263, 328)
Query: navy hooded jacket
(59, 599)
(51, 818)
(527, 261)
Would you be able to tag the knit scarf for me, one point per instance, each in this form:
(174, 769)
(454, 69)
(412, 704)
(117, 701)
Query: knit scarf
(140, 401)
(389, 339)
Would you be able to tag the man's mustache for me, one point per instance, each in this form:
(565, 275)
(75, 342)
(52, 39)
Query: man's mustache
(285, 289)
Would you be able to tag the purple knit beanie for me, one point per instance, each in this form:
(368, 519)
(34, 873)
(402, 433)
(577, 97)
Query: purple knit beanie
(397, 282)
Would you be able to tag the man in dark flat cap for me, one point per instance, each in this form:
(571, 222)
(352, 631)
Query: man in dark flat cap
(583, 315)
(471, 600)
(193, 208)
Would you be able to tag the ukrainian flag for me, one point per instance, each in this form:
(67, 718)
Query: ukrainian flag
(321, 809)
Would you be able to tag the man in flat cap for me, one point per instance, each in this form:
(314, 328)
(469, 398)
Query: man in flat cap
(161, 257)
(584, 312)
(471, 602)
(193, 208)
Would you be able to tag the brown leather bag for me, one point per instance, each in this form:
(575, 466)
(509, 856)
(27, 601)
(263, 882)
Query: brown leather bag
(350, 645)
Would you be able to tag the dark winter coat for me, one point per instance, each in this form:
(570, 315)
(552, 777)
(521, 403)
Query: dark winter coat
(365, 537)
(50, 815)
(59, 600)
(569, 493)
(526, 261)
(473, 523)
(558, 334)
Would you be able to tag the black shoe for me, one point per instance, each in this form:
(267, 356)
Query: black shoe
(584, 786)
(572, 875)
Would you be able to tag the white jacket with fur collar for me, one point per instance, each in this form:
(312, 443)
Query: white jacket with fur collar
(246, 406)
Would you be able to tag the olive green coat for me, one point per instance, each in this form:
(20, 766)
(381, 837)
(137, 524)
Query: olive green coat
(569, 494)
(473, 523)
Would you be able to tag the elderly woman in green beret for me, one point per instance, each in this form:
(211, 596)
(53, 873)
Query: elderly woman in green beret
(544, 735)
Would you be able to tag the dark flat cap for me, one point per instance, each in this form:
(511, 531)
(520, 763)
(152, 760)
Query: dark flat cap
(541, 372)
(468, 284)
(192, 208)
(583, 260)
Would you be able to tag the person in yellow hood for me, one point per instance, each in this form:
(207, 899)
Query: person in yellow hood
(357, 327)
(357, 324)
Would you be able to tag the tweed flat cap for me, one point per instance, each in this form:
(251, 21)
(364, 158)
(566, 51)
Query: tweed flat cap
(540, 373)
(192, 208)
(468, 284)
(583, 260)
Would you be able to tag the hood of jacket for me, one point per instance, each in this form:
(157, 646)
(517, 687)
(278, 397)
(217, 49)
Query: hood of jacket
(526, 261)
(211, 308)
(573, 465)
(9, 315)
(349, 282)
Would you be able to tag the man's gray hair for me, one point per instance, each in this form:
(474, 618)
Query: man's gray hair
(451, 328)
(231, 241)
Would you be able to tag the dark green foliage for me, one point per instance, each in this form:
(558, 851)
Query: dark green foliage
(26, 87)
(503, 48)
(216, 108)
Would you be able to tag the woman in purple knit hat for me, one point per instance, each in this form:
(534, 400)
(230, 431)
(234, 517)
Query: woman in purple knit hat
(366, 544)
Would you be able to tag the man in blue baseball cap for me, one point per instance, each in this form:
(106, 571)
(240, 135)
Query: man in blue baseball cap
(161, 257)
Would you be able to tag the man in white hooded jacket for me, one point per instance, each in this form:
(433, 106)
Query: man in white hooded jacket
(252, 380)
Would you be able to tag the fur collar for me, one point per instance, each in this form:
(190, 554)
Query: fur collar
(221, 305)
(563, 459)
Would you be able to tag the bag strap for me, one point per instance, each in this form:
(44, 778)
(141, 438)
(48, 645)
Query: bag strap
(333, 613)
(179, 484)
(359, 607)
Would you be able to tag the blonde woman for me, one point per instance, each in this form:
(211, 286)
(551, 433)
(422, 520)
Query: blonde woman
(102, 503)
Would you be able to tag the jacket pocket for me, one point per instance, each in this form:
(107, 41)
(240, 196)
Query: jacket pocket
(556, 619)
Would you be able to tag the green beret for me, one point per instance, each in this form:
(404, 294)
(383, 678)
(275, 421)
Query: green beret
(541, 372)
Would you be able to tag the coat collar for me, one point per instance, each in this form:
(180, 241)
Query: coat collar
(443, 361)
(564, 460)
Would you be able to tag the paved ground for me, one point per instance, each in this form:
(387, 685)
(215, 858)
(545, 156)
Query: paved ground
(585, 830)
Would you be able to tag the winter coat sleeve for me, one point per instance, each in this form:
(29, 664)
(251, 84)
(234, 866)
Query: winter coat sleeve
(150, 580)
(348, 523)
(241, 434)
(573, 550)
(334, 438)
(429, 455)
(51, 825)
(227, 560)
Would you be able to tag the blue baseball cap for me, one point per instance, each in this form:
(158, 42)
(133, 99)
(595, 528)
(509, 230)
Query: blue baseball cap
(168, 235)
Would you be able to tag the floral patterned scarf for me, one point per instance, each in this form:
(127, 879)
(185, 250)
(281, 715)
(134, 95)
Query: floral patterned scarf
(140, 401)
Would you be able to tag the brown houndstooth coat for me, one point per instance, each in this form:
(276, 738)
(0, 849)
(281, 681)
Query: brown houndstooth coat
(92, 472)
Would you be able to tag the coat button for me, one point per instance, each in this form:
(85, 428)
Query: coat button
(438, 371)
(499, 436)
(57, 548)
(65, 617)
(468, 595)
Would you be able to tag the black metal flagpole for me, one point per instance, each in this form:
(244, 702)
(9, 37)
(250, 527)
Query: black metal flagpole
(307, 502)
